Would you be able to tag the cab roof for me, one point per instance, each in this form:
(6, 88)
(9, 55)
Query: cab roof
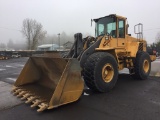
(111, 15)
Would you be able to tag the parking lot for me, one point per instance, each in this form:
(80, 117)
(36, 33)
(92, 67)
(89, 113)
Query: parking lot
(10, 69)
(129, 100)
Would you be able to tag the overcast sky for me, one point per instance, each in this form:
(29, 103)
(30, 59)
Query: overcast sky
(72, 16)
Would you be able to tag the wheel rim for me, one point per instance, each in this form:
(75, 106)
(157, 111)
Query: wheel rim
(145, 66)
(107, 72)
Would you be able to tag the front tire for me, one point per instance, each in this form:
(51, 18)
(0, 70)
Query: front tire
(142, 66)
(100, 71)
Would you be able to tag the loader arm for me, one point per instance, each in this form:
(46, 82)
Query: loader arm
(77, 47)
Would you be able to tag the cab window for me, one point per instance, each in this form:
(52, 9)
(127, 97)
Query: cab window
(111, 29)
(106, 25)
(100, 28)
(121, 28)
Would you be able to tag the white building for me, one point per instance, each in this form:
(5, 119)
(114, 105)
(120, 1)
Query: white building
(68, 45)
(48, 47)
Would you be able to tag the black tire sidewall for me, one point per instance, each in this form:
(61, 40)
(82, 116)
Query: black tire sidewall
(100, 83)
(141, 57)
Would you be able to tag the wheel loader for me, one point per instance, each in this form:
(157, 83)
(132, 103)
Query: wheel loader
(53, 80)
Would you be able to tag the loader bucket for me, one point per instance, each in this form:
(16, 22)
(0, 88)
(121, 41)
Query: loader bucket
(49, 82)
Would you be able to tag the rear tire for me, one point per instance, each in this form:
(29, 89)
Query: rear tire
(100, 72)
(142, 66)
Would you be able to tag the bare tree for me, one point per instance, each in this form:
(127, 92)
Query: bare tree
(2, 46)
(158, 37)
(10, 44)
(33, 31)
(157, 42)
(54, 39)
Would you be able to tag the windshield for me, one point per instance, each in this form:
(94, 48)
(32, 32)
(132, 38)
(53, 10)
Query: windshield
(106, 25)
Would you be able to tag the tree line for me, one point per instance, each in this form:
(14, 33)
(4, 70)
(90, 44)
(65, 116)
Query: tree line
(35, 35)
(156, 45)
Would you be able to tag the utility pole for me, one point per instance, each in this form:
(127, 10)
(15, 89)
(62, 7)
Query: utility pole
(59, 39)
(52, 44)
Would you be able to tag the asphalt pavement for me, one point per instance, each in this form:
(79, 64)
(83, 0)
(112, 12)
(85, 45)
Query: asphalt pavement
(11, 68)
(129, 100)
(6, 99)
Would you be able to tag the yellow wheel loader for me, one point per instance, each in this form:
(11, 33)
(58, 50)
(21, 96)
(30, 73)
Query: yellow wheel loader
(52, 80)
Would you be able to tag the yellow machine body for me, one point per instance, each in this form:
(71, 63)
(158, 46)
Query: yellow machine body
(123, 46)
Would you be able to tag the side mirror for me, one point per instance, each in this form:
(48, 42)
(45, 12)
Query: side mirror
(127, 26)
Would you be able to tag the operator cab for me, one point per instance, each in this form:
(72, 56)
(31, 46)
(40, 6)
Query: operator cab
(112, 25)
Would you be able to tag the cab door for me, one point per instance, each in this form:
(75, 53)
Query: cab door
(121, 33)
